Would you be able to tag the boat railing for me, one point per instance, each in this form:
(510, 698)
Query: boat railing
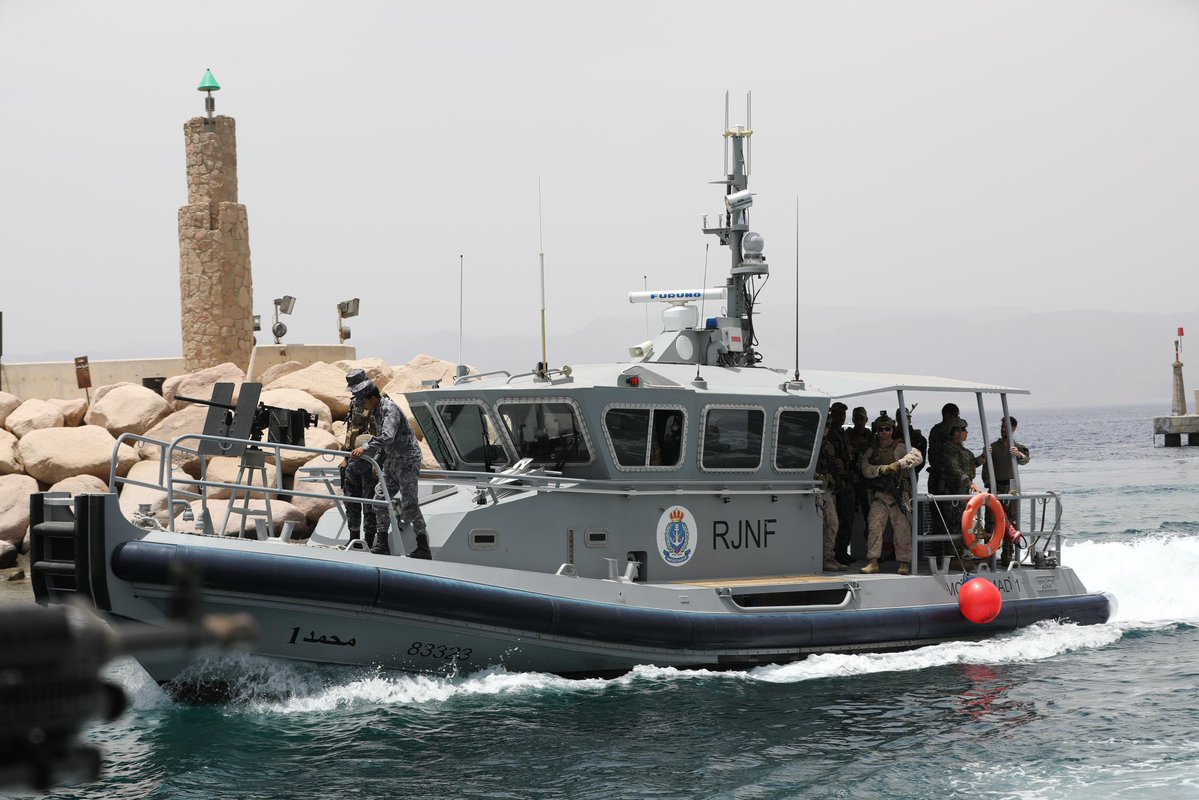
(928, 508)
(181, 491)
(496, 483)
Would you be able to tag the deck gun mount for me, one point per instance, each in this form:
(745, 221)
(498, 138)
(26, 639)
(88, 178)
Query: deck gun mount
(248, 420)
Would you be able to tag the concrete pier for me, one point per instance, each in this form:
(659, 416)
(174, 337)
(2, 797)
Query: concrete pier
(1174, 427)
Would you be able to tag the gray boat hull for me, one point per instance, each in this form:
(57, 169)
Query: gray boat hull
(354, 608)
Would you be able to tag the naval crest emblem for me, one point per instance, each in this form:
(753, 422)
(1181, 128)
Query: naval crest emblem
(676, 536)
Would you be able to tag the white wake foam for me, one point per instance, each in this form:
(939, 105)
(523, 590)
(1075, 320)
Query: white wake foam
(1152, 578)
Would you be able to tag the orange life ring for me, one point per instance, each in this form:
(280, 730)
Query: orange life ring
(978, 548)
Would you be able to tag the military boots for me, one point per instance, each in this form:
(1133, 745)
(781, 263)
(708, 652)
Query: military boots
(422, 547)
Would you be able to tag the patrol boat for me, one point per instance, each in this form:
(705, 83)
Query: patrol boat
(659, 511)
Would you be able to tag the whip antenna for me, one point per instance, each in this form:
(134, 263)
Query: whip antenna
(702, 299)
(645, 286)
(460, 308)
(545, 362)
(796, 287)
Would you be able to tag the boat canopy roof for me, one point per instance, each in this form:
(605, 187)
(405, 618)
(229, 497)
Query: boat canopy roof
(854, 384)
(757, 380)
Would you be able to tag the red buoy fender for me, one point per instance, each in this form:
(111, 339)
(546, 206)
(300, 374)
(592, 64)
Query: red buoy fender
(980, 601)
(979, 548)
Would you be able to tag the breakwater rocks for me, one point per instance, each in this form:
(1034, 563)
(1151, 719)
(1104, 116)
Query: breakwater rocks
(68, 445)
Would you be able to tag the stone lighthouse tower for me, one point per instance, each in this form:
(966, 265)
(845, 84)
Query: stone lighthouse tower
(215, 284)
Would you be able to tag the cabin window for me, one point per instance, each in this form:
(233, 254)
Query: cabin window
(795, 438)
(548, 432)
(473, 434)
(433, 437)
(645, 437)
(732, 439)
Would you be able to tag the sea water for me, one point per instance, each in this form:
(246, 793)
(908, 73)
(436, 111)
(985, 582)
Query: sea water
(1052, 711)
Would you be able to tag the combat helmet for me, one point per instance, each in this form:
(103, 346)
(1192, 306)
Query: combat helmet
(882, 419)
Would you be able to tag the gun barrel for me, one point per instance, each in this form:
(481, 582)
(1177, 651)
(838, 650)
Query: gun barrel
(201, 401)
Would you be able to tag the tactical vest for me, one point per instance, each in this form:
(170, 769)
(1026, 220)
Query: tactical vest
(360, 423)
(891, 484)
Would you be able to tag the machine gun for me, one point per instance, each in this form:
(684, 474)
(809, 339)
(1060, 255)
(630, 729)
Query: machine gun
(50, 662)
(249, 418)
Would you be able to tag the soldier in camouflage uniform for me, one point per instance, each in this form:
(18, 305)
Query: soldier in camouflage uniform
(827, 472)
(842, 472)
(937, 437)
(358, 477)
(957, 466)
(886, 467)
(401, 467)
(1003, 450)
(860, 439)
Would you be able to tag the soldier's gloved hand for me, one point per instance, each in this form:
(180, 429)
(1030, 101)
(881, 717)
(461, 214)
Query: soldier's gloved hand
(889, 469)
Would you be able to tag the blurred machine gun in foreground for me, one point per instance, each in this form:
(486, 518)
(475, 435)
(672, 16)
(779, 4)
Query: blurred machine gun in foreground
(50, 682)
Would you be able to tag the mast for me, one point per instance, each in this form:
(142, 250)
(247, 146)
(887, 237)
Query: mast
(745, 246)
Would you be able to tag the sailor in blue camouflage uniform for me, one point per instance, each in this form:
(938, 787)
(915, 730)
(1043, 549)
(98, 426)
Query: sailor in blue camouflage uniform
(397, 443)
(358, 478)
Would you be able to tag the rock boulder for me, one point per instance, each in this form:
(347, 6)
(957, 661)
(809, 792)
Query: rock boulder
(314, 507)
(98, 394)
(189, 419)
(325, 382)
(14, 507)
(422, 368)
(128, 409)
(8, 404)
(199, 384)
(73, 411)
(10, 461)
(376, 369)
(272, 374)
(33, 415)
(80, 484)
(56, 453)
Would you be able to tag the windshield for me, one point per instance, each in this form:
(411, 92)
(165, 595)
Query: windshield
(548, 432)
(471, 430)
(439, 447)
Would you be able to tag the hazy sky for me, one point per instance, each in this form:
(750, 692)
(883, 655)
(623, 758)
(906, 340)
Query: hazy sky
(977, 162)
